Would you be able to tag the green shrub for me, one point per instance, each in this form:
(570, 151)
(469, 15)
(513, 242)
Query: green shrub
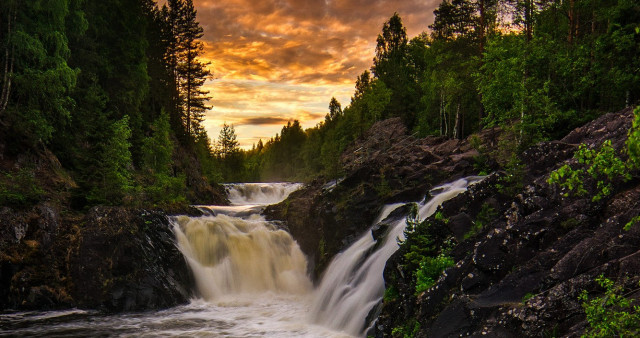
(603, 166)
(20, 188)
(484, 217)
(513, 181)
(430, 270)
(612, 315)
(409, 330)
(390, 294)
(633, 141)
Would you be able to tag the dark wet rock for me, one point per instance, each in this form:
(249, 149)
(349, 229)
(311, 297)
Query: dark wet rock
(521, 275)
(113, 259)
(385, 166)
(127, 260)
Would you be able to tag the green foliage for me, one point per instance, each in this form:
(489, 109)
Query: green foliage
(633, 141)
(390, 294)
(421, 255)
(440, 217)
(602, 166)
(430, 269)
(484, 216)
(417, 240)
(115, 171)
(19, 189)
(410, 329)
(383, 189)
(512, 182)
(38, 81)
(166, 190)
(635, 220)
(158, 148)
(612, 315)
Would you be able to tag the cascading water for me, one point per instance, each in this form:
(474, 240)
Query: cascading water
(235, 250)
(353, 283)
(259, 193)
(252, 278)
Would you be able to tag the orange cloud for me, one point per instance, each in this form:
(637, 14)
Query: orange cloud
(273, 60)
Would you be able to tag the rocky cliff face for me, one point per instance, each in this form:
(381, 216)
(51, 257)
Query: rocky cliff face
(522, 273)
(115, 259)
(385, 166)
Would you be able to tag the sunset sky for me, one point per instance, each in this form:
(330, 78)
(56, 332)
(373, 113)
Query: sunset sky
(276, 60)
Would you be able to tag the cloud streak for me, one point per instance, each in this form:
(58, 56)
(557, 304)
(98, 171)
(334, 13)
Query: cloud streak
(273, 59)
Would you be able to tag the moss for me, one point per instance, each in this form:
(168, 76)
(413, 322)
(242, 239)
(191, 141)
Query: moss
(409, 330)
(390, 294)
(20, 188)
(526, 297)
(569, 224)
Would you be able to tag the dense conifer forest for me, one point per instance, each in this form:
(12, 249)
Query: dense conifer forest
(114, 89)
(535, 69)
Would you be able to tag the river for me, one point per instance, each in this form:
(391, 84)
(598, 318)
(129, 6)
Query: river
(251, 279)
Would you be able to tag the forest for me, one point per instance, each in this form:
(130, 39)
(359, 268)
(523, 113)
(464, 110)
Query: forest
(535, 69)
(114, 89)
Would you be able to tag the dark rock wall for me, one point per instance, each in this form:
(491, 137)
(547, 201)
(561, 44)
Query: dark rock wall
(114, 259)
(521, 275)
(385, 166)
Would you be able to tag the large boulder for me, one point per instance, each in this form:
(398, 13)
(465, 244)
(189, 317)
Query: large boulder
(112, 258)
(124, 260)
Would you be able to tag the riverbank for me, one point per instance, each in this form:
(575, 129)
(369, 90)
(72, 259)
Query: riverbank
(521, 250)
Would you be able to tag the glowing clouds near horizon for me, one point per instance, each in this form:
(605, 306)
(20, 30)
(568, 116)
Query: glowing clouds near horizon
(276, 60)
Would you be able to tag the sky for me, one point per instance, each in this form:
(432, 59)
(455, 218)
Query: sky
(277, 60)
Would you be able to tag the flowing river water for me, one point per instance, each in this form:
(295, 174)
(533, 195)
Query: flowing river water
(251, 278)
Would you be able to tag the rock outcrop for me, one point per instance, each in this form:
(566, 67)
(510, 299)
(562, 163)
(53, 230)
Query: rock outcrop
(385, 166)
(522, 273)
(112, 258)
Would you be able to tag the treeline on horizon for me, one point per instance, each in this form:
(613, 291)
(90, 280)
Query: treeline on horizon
(113, 88)
(536, 69)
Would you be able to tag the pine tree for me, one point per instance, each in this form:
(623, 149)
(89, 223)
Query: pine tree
(190, 73)
(158, 148)
(391, 66)
(35, 79)
(227, 141)
(115, 171)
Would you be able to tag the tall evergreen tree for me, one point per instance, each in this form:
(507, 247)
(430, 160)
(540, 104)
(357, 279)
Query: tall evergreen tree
(227, 141)
(35, 79)
(191, 73)
(391, 66)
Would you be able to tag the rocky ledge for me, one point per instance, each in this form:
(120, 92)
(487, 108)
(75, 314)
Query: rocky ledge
(521, 274)
(385, 166)
(112, 258)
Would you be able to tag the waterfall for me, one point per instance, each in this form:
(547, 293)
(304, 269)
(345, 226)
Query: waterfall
(353, 283)
(259, 193)
(235, 254)
(234, 250)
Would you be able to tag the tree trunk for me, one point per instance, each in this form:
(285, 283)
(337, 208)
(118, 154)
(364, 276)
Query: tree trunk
(189, 82)
(457, 130)
(442, 117)
(571, 21)
(8, 65)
